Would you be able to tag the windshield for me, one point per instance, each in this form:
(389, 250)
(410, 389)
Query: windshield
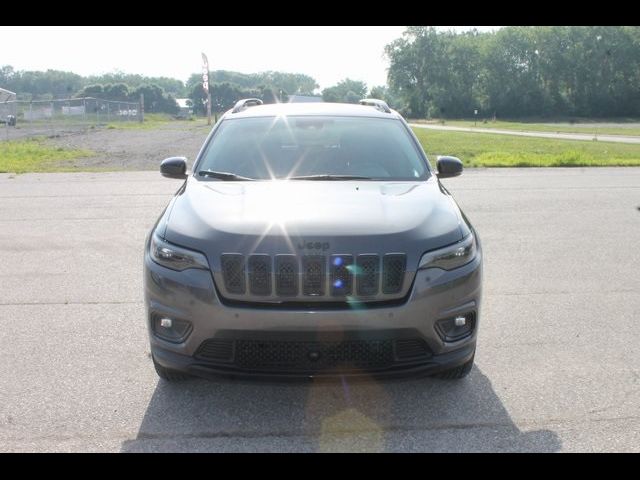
(326, 148)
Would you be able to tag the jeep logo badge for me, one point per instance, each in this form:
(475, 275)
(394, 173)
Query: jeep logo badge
(302, 245)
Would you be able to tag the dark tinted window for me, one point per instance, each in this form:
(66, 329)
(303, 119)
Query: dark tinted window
(283, 147)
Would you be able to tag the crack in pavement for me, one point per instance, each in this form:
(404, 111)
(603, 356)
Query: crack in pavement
(515, 425)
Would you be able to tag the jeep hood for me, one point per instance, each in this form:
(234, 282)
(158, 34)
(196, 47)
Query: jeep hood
(217, 217)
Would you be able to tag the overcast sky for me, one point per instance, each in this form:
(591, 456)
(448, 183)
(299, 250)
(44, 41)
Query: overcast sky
(328, 54)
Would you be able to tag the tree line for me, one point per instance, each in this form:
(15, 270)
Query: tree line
(517, 72)
(226, 88)
(160, 93)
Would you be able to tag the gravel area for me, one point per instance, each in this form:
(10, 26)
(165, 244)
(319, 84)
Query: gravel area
(126, 148)
(137, 149)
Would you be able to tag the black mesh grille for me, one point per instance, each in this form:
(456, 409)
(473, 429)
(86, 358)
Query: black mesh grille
(368, 274)
(233, 272)
(393, 267)
(341, 275)
(260, 274)
(313, 356)
(313, 275)
(215, 350)
(286, 275)
(309, 275)
(412, 348)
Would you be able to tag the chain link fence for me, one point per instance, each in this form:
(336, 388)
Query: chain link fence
(21, 118)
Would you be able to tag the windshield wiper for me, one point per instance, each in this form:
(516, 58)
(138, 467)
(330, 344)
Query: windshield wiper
(222, 175)
(330, 177)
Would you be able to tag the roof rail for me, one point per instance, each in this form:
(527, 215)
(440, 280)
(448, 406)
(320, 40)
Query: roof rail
(244, 103)
(374, 102)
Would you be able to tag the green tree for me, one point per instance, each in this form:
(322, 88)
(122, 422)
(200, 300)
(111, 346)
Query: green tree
(517, 71)
(223, 97)
(383, 92)
(96, 91)
(345, 91)
(155, 99)
(116, 91)
(293, 83)
(171, 86)
(41, 84)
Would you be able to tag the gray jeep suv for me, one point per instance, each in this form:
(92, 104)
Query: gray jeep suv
(312, 239)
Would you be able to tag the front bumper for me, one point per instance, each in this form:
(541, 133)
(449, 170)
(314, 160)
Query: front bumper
(435, 294)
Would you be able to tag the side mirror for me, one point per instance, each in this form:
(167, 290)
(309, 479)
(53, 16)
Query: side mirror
(174, 167)
(449, 167)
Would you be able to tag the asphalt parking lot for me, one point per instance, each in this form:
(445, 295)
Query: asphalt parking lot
(559, 350)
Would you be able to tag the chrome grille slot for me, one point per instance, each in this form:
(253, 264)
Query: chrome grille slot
(286, 275)
(233, 272)
(341, 268)
(313, 274)
(393, 268)
(260, 274)
(368, 274)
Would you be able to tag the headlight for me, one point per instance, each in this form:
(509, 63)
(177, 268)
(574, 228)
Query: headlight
(174, 257)
(450, 257)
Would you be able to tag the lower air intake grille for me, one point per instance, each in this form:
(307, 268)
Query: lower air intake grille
(313, 356)
(215, 351)
(411, 349)
(233, 272)
(393, 267)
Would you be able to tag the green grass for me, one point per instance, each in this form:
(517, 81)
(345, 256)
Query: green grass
(151, 122)
(487, 150)
(594, 127)
(23, 156)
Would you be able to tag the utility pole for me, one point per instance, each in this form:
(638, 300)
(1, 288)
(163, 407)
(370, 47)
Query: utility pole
(205, 85)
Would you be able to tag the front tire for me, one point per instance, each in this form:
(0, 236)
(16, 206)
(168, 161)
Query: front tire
(458, 372)
(168, 374)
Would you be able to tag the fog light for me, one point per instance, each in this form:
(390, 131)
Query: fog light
(456, 328)
(171, 329)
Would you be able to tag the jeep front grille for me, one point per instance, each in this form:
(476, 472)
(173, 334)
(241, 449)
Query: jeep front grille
(314, 275)
(368, 274)
(286, 275)
(393, 268)
(341, 275)
(233, 271)
(260, 274)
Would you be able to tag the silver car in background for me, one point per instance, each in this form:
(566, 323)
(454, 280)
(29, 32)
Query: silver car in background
(309, 240)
